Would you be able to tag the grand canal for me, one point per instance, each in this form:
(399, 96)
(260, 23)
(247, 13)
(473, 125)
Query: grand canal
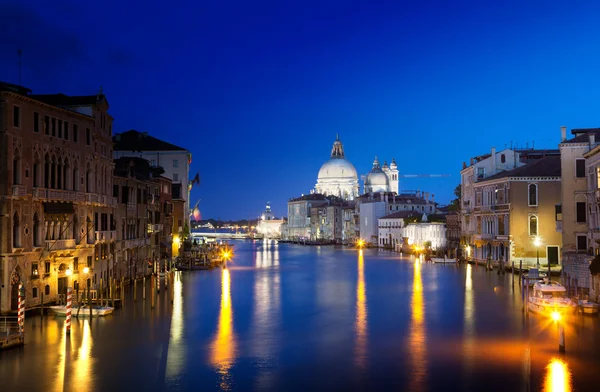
(286, 317)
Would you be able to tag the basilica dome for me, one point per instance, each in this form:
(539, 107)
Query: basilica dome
(338, 176)
(377, 180)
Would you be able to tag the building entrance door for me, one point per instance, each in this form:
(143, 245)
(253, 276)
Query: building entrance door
(14, 297)
(62, 289)
(553, 255)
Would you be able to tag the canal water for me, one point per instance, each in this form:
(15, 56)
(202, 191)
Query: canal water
(285, 317)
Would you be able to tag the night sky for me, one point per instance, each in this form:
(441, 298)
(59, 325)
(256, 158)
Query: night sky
(258, 90)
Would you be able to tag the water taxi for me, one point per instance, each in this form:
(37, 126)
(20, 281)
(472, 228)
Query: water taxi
(550, 297)
(61, 310)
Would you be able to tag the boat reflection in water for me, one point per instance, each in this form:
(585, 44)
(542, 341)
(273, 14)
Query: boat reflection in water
(417, 338)
(177, 352)
(361, 314)
(224, 345)
(558, 376)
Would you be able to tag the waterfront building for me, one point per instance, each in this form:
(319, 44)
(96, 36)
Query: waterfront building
(514, 208)
(578, 211)
(56, 203)
(453, 234)
(173, 159)
(350, 222)
(165, 218)
(138, 217)
(180, 217)
(390, 228)
(337, 176)
(299, 215)
(425, 233)
(268, 225)
(372, 206)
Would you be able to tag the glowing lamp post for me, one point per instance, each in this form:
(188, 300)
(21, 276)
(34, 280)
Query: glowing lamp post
(226, 256)
(556, 316)
(360, 243)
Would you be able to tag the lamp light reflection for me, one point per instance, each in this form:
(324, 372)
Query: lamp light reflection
(361, 313)
(417, 337)
(176, 354)
(558, 376)
(224, 345)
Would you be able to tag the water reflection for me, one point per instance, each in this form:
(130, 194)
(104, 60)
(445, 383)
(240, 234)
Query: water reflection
(59, 385)
(176, 354)
(268, 256)
(558, 376)
(83, 377)
(223, 348)
(361, 314)
(469, 319)
(266, 312)
(417, 337)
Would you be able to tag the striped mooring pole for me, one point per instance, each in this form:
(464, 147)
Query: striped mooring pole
(69, 306)
(166, 277)
(158, 281)
(21, 315)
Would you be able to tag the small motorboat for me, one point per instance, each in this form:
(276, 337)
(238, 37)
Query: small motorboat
(589, 307)
(444, 260)
(550, 297)
(61, 310)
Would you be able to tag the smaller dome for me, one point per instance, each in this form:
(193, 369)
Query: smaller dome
(385, 166)
(377, 180)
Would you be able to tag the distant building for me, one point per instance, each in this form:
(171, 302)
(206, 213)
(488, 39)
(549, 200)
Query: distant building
(268, 225)
(453, 235)
(173, 159)
(391, 228)
(337, 176)
(423, 233)
(299, 210)
(373, 206)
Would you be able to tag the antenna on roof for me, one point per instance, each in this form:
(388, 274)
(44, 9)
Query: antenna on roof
(20, 53)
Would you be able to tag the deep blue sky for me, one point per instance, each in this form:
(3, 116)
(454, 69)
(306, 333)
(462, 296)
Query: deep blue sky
(257, 90)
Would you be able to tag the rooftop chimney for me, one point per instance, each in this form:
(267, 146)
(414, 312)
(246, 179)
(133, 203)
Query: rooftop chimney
(563, 133)
(471, 162)
(493, 160)
(464, 165)
(592, 140)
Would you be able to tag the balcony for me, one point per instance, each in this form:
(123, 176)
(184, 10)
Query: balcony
(107, 235)
(58, 195)
(136, 243)
(483, 236)
(155, 228)
(501, 207)
(53, 245)
(19, 190)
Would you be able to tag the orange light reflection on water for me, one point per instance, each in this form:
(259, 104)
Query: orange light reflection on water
(224, 345)
(361, 313)
(558, 376)
(417, 337)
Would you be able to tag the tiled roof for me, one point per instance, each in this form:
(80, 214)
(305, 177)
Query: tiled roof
(140, 141)
(314, 196)
(402, 214)
(65, 100)
(582, 135)
(545, 167)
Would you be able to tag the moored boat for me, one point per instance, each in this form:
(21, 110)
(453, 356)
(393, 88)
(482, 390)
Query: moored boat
(589, 307)
(439, 260)
(550, 297)
(61, 310)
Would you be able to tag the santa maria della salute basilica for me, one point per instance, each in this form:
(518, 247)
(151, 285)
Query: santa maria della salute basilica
(338, 177)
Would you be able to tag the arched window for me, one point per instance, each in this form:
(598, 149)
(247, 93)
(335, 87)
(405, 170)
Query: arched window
(47, 169)
(37, 172)
(88, 179)
(47, 290)
(37, 230)
(75, 229)
(66, 174)
(53, 173)
(502, 158)
(533, 225)
(16, 231)
(533, 195)
(75, 177)
(59, 174)
(17, 168)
